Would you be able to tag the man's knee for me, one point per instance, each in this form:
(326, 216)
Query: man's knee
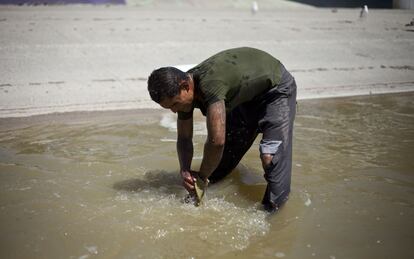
(268, 148)
(277, 173)
(218, 175)
(266, 160)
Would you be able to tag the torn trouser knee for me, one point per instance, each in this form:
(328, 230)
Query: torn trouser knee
(268, 146)
(277, 175)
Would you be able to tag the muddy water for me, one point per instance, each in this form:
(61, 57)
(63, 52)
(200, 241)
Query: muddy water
(106, 186)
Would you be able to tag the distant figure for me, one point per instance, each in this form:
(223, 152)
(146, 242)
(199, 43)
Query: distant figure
(411, 23)
(242, 92)
(364, 12)
(255, 7)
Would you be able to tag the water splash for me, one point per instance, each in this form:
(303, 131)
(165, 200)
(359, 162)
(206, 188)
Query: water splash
(218, 223)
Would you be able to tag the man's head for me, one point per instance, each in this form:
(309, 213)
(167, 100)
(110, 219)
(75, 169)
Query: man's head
(172, 89)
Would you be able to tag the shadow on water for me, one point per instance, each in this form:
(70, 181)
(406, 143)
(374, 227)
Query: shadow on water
(250, 183)
(166, 182)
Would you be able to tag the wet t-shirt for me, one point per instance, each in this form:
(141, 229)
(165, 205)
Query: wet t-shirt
(236, 76)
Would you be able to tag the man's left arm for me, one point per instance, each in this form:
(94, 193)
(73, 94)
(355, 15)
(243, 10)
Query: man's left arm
(214, 146)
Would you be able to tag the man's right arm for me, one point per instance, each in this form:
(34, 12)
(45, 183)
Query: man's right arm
(185, 150)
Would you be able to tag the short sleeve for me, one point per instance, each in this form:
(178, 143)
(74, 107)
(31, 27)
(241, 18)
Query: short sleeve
(214, 91)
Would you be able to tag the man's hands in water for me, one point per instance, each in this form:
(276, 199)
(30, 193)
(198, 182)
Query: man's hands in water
(195, 185)
(188, 180)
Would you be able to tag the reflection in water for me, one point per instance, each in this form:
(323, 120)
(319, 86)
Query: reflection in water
(111, 188)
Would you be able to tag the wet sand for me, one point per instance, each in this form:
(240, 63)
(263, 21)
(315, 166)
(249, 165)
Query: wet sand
(87, 58)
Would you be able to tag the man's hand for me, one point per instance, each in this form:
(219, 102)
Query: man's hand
(188, 180)
(195, 185)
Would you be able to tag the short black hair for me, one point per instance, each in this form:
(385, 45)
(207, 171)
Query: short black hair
(165, 82)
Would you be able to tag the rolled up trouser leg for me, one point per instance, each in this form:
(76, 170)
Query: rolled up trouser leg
(277, 175)
(277, 128)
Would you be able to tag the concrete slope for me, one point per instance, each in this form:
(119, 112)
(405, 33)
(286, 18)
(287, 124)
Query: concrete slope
(83, 58)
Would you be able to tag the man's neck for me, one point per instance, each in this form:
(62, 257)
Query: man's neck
(196, 92)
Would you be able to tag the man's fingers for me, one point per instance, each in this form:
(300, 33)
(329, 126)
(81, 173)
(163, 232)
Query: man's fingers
(188, 180)
(188, 177)
(188, 186)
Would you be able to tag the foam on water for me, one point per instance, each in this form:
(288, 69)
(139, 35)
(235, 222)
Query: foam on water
(169, 121)
(167, 217)
(218, 222)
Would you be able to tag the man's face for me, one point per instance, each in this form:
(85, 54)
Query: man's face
(182, 102)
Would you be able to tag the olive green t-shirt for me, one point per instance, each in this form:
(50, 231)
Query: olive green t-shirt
(235, 76)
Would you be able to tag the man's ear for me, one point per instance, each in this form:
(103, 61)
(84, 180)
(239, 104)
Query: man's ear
(184, 85)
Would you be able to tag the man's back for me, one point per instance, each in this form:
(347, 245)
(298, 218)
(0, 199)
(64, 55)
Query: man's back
(235, 76)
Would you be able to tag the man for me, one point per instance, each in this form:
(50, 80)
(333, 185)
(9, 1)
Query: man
(242, 92)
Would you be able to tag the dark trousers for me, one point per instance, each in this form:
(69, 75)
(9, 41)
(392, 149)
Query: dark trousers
(272, 114)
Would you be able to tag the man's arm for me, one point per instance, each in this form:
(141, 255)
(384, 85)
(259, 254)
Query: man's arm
(185, 150)
(214, 146)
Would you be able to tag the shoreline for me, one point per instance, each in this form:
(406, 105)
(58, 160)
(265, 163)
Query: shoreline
(141, 116)
(313, 94)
